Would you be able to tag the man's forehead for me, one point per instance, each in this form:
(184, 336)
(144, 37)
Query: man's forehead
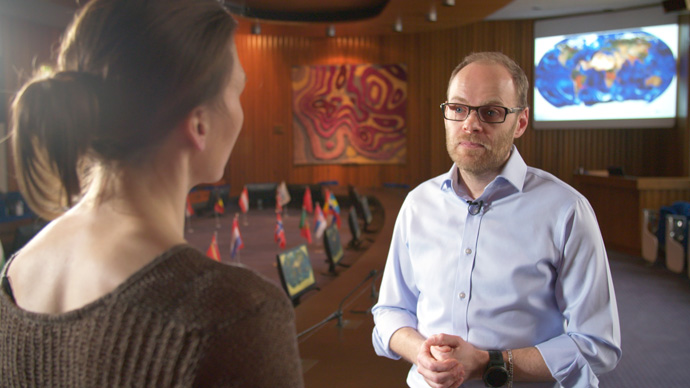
(483, 83)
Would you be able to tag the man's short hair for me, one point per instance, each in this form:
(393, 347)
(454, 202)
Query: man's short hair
(517, 74)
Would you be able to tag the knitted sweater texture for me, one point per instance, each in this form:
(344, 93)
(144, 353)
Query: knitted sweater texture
(181, 321)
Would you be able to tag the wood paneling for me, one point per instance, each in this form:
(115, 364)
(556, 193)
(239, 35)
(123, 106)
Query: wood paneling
(618, 203)
(264, 149)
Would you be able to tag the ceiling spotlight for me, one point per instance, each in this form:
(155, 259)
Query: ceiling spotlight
(449, 3)
(256, 28)
(330, 31)
(397, 26)
(432, 16)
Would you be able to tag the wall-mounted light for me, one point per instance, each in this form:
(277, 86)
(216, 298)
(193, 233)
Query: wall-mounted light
(397, 26)
(449, 3)
(330, 31)
(432, 16)
(256, 28)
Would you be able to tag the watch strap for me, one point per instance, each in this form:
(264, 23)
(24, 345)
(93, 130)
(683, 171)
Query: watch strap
(496, 358)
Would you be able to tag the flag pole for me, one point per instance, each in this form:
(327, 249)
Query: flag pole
(190, 229)
(217, 219)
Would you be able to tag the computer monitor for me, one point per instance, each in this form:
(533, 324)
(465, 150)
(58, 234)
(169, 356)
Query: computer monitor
(296, 272)
(366, 211)
(353, 222)
(334, 248)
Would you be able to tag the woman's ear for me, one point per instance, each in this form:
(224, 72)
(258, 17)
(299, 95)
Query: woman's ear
(195, 127)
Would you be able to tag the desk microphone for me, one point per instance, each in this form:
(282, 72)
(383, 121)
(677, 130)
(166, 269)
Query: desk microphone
(339, 313)
(475, 207)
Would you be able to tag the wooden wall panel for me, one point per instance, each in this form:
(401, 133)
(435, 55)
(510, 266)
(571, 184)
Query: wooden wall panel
(264, 149)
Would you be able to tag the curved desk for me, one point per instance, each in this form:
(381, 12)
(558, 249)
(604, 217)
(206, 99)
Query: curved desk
(343, 356)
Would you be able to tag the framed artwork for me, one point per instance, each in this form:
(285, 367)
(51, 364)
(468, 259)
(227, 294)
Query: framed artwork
(349, 114)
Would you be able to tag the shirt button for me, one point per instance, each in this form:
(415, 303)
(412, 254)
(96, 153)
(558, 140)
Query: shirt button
(462, 295)
(468, 251)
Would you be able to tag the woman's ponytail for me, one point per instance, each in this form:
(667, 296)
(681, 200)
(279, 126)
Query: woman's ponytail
(52, 123)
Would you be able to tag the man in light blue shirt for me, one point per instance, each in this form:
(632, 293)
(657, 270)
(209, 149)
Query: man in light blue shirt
(497, 271)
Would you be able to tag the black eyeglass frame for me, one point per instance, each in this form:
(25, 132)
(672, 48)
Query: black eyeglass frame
(471, 108)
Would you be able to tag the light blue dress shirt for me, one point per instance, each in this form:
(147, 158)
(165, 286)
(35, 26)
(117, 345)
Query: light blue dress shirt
(529, 269)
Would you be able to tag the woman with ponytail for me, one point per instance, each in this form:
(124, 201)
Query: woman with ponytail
(144, 105)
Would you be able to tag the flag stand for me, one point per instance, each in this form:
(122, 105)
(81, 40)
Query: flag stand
(244, 219)
(217, 220)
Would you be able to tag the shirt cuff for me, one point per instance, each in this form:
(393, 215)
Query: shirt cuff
(566, 363)
(388, 321)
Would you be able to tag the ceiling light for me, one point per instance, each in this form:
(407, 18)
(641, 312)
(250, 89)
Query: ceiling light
(449, 3)
(256, 28)
(398, 27)
(432, 16)
(330, 31)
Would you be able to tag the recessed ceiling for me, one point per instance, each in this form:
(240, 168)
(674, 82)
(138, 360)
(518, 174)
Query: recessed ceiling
(412, 15)
(308, 10)
(354, 17)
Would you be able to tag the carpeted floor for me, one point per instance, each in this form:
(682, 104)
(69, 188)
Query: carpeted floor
(654, 309)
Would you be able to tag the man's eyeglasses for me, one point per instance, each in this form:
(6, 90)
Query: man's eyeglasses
(493, 114)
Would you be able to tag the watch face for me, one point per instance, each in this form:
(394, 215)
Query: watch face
(496, 376)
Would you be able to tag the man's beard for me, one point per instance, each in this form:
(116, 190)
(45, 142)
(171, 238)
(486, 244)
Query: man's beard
(479, 161)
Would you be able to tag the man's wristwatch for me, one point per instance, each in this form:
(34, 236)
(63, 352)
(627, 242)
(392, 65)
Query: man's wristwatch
(496, 374)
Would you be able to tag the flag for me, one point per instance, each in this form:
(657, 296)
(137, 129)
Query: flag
(304, 226)
(236, 242)
(307, 201)
(190, 210)
(212, 250)
(320, 223)
(280, 232)
(334, 208)
(326, 197)
(244, 200)
(279, 207)
(219, 207)
(284, 194)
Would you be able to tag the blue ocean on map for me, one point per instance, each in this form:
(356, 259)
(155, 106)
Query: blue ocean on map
(593, 69)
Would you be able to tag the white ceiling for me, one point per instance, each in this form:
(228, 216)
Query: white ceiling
(538, 9)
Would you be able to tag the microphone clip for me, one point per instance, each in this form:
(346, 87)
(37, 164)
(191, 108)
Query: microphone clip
(474, 207)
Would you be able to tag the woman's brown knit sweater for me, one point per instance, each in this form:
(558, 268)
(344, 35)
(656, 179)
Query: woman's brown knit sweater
(182, 321)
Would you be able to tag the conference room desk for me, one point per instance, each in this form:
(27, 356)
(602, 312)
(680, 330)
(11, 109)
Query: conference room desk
(342, 355)
(618, 202)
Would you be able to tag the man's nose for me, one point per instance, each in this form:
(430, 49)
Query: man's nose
(472, 122)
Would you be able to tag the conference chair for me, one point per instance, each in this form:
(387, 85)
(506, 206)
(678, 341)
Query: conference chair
(676, 242)
(650, 241)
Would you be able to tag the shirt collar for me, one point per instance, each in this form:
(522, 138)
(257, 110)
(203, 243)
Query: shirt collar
(513, 173)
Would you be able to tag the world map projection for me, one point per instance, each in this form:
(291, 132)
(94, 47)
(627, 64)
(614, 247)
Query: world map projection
(606, 67)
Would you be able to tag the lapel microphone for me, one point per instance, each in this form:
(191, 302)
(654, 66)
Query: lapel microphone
(475, 207)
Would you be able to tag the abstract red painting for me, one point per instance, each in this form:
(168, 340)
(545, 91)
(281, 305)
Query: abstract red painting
(349, 114)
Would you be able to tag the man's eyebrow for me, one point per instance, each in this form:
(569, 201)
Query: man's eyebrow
(460, 100)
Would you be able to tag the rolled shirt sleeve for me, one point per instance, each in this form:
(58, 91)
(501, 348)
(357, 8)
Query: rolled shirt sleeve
(585, 294)
(397, 304)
